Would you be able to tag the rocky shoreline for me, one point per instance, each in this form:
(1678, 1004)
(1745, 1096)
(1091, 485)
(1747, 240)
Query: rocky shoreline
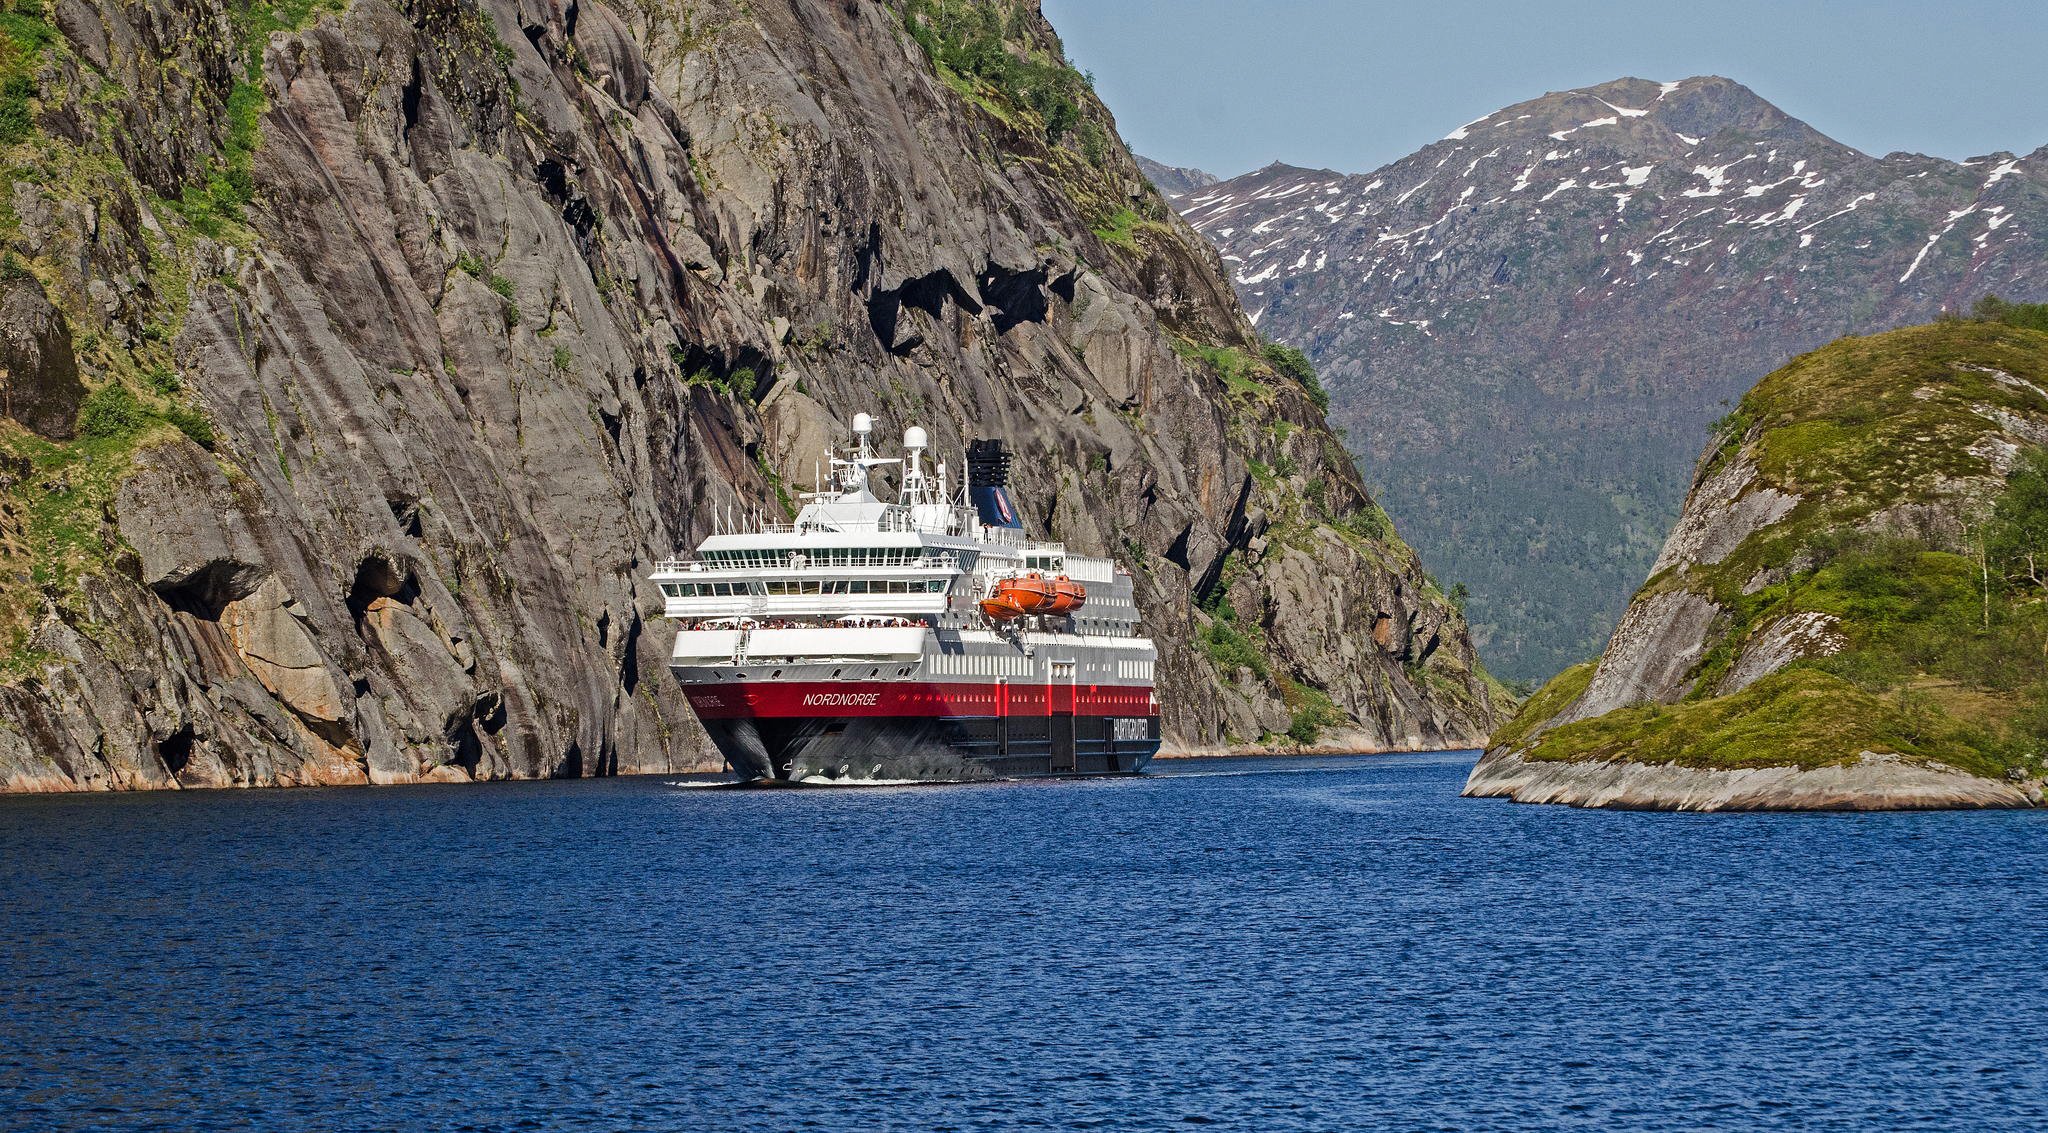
(1876, 782)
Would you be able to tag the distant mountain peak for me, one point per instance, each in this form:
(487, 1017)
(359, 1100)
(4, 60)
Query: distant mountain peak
(1527, 323)
(1174, 181)
(1643, 117)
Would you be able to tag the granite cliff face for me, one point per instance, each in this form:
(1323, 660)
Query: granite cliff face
(1527, 326)
(362, 358)
(1849, 612)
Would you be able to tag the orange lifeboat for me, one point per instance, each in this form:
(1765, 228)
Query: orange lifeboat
(1001, 608)
(1030, 593)
(1067, 596)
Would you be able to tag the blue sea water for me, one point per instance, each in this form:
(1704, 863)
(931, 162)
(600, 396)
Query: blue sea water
(1253, 944)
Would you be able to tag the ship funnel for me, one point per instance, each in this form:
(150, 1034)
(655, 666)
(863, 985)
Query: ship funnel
(988, 477)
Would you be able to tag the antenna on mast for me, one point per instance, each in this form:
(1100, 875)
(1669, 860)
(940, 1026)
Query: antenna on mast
(916, 489)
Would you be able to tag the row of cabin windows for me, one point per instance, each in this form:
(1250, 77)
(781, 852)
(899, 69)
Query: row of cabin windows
(979, 664)
(770, 557)
(804, 586)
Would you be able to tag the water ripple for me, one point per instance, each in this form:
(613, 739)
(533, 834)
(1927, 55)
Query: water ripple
(1271, 945)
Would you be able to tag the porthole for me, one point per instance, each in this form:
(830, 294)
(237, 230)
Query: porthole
(776, 675)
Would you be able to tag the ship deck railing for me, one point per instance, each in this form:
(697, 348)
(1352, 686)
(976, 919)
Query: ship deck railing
(851, 621)
(806, 564)
(894, 519)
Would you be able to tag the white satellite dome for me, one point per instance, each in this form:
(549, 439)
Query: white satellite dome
(914, 437)
(863, 424)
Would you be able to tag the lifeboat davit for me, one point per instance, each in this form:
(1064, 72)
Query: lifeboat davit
(1031, 593)
(1001, 608)
(1067, 596)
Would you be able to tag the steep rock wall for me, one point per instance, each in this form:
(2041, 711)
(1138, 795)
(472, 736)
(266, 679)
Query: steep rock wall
(417, 332)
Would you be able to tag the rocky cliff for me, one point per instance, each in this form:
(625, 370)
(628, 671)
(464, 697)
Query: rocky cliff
(362, 357)
(1527, 326)
(1850, 611)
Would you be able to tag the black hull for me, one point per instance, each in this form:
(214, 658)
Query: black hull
(933, 749)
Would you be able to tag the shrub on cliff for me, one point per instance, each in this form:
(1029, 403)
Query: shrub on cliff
(970, 38)
(2027, 316)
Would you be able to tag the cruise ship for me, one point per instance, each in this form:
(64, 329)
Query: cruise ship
(927, 639)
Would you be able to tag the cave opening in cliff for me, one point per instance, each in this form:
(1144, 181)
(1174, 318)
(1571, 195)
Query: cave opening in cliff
(1015, 296)
(377, 576)
(744, 371)
(206, 592)
(176, 750)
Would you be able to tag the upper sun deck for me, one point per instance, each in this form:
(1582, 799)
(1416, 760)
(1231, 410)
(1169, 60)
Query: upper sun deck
(889, 545)
(928, 526)
(930, 556)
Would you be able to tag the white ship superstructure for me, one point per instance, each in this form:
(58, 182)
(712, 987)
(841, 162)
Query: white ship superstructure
(922, 639)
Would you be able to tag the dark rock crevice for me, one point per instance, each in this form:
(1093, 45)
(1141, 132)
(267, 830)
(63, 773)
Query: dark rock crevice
(205, 591)
(378, 576)
(1015, 296)
(176, 750)
(629, 660)
(726, 367)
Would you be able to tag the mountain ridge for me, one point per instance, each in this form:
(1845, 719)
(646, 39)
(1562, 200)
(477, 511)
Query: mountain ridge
(1174, 181)
(1526, 325)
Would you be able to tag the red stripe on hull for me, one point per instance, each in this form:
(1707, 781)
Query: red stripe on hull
(798, 699)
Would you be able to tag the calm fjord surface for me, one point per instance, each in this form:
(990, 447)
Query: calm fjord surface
(1302, 944)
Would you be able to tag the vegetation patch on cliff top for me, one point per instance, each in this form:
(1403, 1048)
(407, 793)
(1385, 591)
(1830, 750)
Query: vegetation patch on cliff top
(1864, 424)
(982, 49)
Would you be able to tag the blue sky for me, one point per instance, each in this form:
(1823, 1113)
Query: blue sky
(1229, 85)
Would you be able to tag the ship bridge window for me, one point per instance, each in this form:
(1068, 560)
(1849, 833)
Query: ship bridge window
(710, 590)
(860, 586)
(796, 586)
(703, 589)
